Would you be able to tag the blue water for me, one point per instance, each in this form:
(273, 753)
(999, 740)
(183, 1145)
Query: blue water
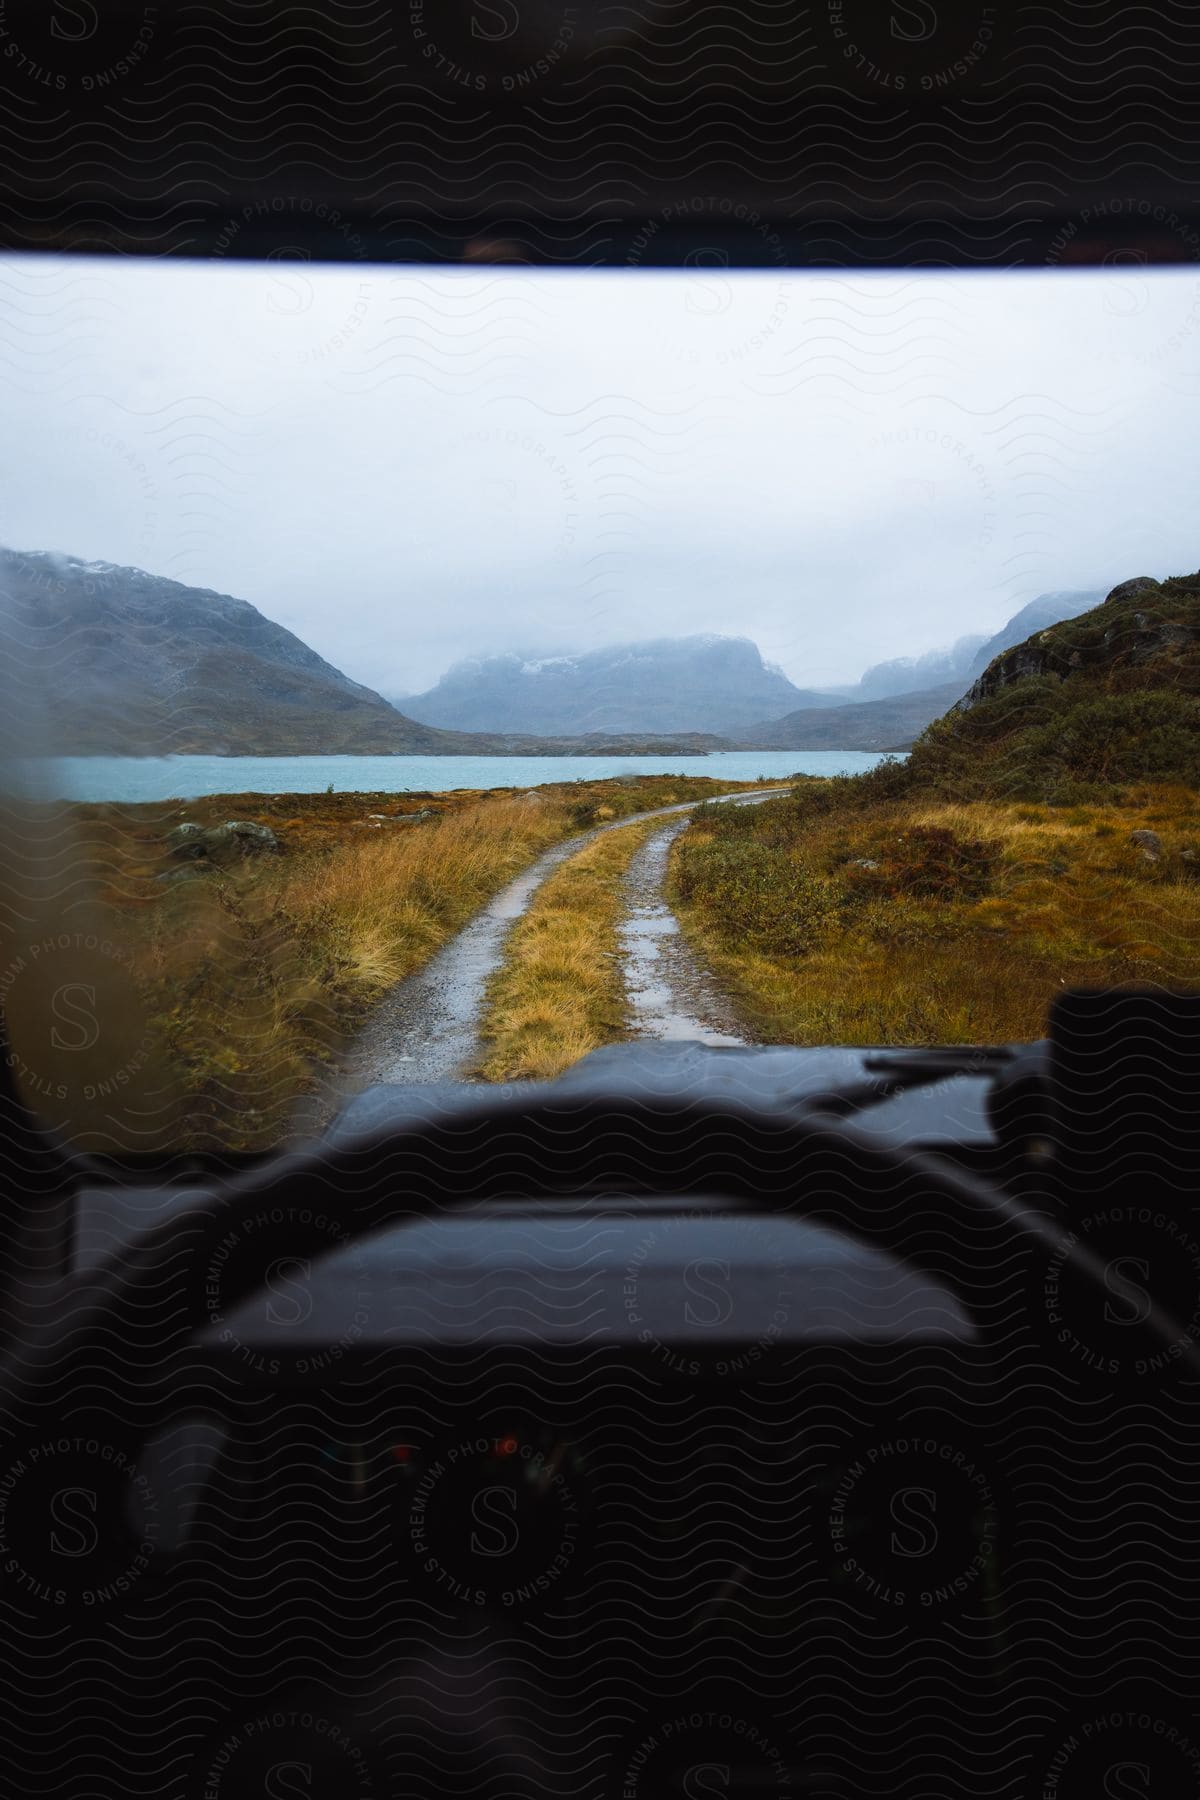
(135, 778)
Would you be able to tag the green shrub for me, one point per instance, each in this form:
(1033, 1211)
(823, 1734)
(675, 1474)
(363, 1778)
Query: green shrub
(906, 923)
(928, 862)
(755, 895)
(732, 821)
(1035, 742)
(816, 799)
(1123, 737)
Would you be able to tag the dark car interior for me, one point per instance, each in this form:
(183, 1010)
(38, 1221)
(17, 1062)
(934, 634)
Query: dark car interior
(707, 1421)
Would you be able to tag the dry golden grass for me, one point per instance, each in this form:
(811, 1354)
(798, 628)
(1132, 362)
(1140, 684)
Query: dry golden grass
(1073, 902)
(245, 982)
(253, 975)
(385, 903)
(559, 992)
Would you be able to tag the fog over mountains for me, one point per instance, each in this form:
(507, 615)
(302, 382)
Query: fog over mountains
(972, 654)
(664, 684)
(721, 685)
(136, 664)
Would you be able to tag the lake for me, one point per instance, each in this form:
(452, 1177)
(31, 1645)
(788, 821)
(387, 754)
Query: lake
(139, 778)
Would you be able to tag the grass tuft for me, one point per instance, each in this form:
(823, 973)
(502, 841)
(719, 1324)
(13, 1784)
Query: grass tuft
(559, 992)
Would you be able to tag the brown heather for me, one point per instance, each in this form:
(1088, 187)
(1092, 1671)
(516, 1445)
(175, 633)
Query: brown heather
(974, 915)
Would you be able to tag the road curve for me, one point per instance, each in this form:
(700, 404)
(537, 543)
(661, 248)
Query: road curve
(428, 1027)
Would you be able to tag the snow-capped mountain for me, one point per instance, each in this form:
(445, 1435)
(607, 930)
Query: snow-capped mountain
(704, 683)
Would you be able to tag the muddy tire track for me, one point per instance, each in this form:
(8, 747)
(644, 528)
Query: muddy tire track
(427, 1029)
(672, 996)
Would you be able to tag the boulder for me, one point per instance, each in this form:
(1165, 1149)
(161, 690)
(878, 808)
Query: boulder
(1011, 665)
(1149, 843)
(238, 838)
(230, 842)
(1138, 584)
(186, 841)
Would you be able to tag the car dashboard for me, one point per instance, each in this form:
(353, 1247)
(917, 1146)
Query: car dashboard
(617, 1489)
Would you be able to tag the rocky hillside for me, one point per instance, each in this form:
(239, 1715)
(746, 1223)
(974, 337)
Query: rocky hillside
(895, 701)
(133, 664)
(890, 724)
(1109, 698)
(714, 685)
(1046, 610)
(966, 658)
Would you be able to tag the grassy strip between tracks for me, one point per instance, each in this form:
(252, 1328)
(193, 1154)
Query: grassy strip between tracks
(559, 992)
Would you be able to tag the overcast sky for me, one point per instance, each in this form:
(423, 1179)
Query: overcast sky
(405, 467)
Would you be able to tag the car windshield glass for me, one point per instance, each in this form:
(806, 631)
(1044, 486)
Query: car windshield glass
(435, 675)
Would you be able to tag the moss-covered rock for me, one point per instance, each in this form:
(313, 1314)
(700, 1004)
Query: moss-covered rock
(1108, 698)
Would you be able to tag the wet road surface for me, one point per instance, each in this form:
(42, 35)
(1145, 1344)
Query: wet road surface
(428, 1028)
(671, 995)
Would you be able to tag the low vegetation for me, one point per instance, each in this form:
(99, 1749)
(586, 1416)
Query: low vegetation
(921, 921)
(1105, 700)
(247, 975)
(1043, 834)
(559, 993)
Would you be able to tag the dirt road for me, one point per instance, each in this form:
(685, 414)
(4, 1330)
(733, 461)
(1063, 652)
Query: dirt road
(428, 1028)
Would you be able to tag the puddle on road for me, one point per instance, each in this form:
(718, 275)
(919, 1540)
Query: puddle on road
(670, 995)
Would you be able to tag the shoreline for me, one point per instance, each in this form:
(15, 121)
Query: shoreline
(158, 780)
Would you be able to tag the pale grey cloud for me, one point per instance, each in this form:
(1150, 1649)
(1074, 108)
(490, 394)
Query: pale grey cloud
(408, 466)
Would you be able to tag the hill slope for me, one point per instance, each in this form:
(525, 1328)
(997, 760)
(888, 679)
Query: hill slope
(890, 724)
(917, 674)
(965, 659)
(1046, 610)
(1107, 698)
(895, 701)
(694, 684)
(134, 664)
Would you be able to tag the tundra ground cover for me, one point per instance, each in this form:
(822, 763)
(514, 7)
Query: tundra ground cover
(837, 917)
(248, 976)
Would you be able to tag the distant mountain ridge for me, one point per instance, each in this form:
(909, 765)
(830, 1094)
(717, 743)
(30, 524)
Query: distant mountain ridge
(692, 684)
(915, 674)
(720, 686)
(136, 664)
(971, 654)
(894, 719)
(127, 663)
(131, 663)
(1039, 615)
(890, 724)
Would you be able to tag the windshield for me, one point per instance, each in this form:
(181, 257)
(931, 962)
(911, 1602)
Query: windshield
(438, 675)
